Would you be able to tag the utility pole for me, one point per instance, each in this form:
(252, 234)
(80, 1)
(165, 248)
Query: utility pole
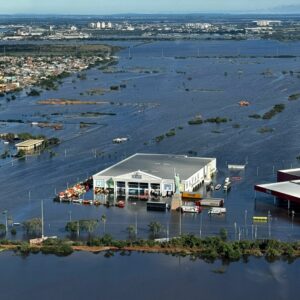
(180, 223)
(136, 230)
(6, 222)
(42, 212)
(200, 230)
(168, 237)
(269, 221)
(235, 230)
(246, 229)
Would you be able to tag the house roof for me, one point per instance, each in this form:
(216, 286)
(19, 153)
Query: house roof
(29, 143)
(290, 188)
(159, 165)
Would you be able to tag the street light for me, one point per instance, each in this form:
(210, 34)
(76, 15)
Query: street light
(6, 223)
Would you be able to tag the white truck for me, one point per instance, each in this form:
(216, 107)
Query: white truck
(217, 211)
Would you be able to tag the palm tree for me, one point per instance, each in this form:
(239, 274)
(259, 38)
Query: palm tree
(155, 229)
(103, 220)
(131, 232)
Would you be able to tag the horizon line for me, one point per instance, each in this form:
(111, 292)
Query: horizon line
(157, 13)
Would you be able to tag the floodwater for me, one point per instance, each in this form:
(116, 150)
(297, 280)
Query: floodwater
(166, 86)
(144, 276)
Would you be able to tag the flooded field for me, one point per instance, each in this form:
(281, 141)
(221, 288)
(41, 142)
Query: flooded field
(162, 86)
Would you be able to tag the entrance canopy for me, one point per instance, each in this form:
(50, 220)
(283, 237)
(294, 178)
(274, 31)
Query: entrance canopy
(287, 190)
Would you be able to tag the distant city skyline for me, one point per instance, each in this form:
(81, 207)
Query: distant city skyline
(102, 7)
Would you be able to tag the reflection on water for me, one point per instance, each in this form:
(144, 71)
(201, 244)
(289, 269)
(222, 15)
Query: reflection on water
(144, 276)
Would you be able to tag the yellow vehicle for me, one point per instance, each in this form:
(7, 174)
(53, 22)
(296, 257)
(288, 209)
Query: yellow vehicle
(196, 196)
(260, 219)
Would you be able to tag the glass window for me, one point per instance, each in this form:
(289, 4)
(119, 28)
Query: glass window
(100, 183)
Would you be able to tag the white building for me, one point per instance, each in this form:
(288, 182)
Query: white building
(265, 23)
(98, 25)
(142, 174)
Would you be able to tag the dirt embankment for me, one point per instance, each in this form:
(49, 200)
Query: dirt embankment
(54, 101)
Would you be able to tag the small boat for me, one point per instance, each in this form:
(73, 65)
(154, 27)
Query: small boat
(244, 103)
(6, 143)
(120, 140)
(218, 186)
(121, 204)
(97, 203)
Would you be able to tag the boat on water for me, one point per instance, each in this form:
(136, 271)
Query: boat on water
(97, 203)
(190, 209)
(217, 211)
(244, 103)
(120, 204)
(6, 143)
(120, 140)
(218, 186)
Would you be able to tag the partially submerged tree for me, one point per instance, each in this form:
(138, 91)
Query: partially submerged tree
(155, 229)
(33, 226)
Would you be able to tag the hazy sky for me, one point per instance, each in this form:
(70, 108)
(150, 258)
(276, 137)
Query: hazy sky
(135, 6)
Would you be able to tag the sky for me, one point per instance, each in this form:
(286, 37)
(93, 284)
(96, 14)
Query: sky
(102, 7)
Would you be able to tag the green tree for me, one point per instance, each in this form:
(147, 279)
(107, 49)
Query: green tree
(131, 232)
(72, 226)
(103, 220)
(2, 229)
(223, 234)
(33, 226)
(155, 229)
(88, 225)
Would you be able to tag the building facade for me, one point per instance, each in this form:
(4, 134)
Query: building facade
(146, 174)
